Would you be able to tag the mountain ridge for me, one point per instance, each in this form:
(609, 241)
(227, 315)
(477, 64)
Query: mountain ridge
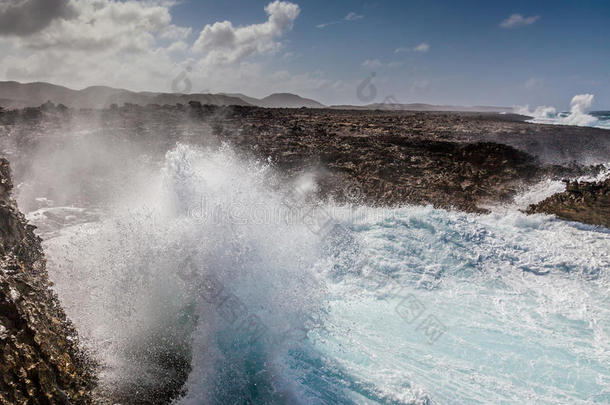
(20, 95)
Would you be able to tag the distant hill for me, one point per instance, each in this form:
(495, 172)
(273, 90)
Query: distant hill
(279, 100)
(287, 100)
(18, 95)
(247, 99)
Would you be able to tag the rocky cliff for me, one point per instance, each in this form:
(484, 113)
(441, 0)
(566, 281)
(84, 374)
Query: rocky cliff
(41, 362)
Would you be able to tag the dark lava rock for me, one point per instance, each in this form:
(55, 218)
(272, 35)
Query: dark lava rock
(41, 362)
(465, 161)
(582, 201)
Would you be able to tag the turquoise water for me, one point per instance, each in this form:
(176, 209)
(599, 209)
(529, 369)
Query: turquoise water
(603, 118)
(520, 306)
(277, 300)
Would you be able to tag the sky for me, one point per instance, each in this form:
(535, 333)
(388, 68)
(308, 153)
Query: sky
(504, 53)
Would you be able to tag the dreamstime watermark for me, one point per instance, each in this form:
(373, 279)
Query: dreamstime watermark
(294, 208)
(234, 312)
(409, 308)
(316, 217)
(367, 93)
(183, 84)
(328, 223)
(366, 90)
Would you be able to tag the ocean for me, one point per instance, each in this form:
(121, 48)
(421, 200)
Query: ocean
(274, 298)
(578, 115)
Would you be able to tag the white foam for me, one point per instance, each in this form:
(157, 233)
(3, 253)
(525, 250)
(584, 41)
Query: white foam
(120, 279)
(579, 106)
(523, 298)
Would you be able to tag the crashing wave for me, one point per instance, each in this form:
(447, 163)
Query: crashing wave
(579, 106)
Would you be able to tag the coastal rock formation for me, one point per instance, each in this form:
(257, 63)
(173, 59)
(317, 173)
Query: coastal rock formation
(41, 362)
(587, 202)
(464, 161)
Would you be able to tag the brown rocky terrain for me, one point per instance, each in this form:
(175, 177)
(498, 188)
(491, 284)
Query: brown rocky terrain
(451, 160)
(41, 361)
(587, 202)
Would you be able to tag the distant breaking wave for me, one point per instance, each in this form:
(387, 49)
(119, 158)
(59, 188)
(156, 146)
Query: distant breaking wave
(578, 114)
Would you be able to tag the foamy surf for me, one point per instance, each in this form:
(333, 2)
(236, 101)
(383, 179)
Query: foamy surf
(407, 306)
(578, 115)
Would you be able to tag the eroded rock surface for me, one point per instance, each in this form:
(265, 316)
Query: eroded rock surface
(465, 161)
(41, 362)
(587, 202)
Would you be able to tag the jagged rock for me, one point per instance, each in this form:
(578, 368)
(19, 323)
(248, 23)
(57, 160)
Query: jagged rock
(587, 202)
(465, 161)
(41, 362)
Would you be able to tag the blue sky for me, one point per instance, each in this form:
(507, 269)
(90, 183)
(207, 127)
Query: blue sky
(471, 60)
(453, 52)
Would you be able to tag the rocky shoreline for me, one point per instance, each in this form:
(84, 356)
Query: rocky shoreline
(586, 202)
(464, 161)
(42, 362)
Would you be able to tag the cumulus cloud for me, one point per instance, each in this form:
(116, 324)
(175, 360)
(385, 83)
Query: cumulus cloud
(223, 43)
(351, 16)
(24, 17)
(109, 42)
(107, 25)
(134, 44)
(517, 20)
(423, 47)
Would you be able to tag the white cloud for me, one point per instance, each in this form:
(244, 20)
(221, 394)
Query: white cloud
(176, 33)
(29, 16)
(105, 25)
(134, 44)
(517, 20)
(324, 25)
(223, 43)
(376, 64)
(372, 63)
(351, 16)
(107, 42)
(178, 46)
(423, 47)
